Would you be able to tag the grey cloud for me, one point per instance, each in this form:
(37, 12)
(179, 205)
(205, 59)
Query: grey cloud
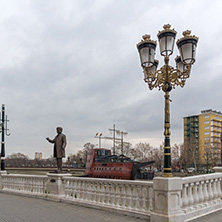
(75, 64)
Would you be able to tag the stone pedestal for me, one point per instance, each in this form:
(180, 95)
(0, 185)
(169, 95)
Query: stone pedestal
(218, 169)
(55, 185)
(3, 172)
(167, 204)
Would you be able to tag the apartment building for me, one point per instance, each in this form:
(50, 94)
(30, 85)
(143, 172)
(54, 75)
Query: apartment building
(204, 132)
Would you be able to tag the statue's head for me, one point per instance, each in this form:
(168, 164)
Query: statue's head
(59, 129)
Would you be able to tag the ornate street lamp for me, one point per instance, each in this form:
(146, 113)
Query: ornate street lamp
(167, 77)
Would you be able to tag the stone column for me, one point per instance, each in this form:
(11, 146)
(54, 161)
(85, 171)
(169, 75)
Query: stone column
(56, 186)
(3, 172)
(167, 200)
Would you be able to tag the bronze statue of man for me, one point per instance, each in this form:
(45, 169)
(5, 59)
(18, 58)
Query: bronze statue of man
(59, 147)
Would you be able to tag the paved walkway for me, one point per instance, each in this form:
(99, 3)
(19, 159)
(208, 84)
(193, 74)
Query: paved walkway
(215, 217)
(23, 209)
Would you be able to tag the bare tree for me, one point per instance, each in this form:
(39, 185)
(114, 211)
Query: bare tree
(17, 160)
(176, 151)
(127, 149)
(190, 153)
(143, 152)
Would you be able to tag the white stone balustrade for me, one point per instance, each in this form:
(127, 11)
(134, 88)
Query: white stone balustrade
(202, 190)
(26, 184)
(132, 196)
(184, 199)
(163, 199)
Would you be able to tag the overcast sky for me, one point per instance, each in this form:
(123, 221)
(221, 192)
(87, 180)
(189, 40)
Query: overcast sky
(74, 64)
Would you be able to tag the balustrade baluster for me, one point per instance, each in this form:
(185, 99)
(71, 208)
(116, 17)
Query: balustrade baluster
(128, 196)
(82, 190)
(11, 183)
(105, 193)
(100, 193)
(195, 194)
(86, 190)
(104, 184)
(138, 199)
(144, 193)
(215, 188)
(78, 190)
(38, 186)
(105, 187)
(123, 196)
(112, 195)
(108, 190)
(73, 189)
(134, 197)
(94, 192)
(205, 190)
(90, 191)
(219, 187)
(200, 192)
(210, 190)
(117, 195)
(67, 189)
(190, 193)
(150, 199)
(185, 200)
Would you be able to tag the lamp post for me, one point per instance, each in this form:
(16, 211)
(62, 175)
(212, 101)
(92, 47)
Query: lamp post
(4, 130)
(167, 77)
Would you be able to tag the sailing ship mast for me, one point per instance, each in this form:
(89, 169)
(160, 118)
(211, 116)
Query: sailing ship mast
(114, 138)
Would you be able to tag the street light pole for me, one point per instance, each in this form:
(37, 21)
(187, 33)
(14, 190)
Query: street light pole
(167, 77)
(4, 131)
(3, 140)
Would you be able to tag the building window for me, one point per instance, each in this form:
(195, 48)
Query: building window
(206, 127)
(206, 122)
(206, 133)
(206, 138)
(206, 117)
(215, 117)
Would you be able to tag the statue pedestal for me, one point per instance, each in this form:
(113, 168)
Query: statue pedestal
(55, 185)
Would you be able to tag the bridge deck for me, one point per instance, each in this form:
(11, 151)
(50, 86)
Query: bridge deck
(23, 209)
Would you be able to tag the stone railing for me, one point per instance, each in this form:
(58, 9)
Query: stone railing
(187, 198)
(24, 184)
(173, 199)
(197, 191)
(125, 195)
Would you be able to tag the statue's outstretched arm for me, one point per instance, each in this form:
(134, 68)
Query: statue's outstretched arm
(51, 141)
